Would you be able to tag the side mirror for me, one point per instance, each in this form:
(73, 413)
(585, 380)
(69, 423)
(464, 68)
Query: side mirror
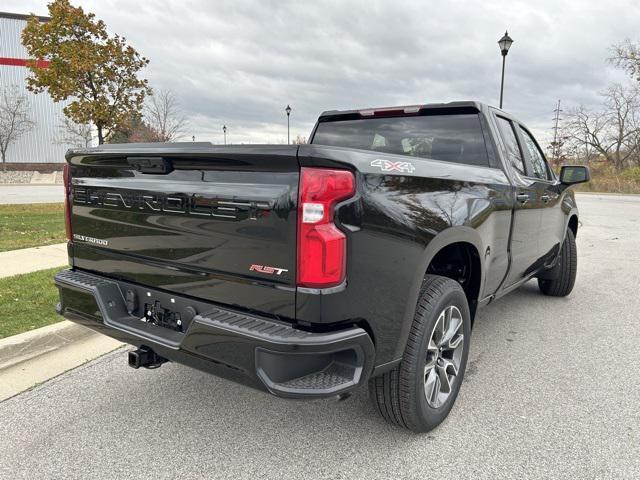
(572, 174)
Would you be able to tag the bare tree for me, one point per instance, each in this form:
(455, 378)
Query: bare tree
(14, 119)
(612, 132)
(76, 134)
(626, 55)
(163, 116)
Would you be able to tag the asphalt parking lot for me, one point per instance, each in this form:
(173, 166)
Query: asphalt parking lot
(552, 391)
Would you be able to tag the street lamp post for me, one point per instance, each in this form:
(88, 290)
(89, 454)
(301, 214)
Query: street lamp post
(505, 44)
(224, 131)
(288, 110)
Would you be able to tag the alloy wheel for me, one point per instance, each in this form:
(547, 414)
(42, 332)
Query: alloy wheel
(444, 354)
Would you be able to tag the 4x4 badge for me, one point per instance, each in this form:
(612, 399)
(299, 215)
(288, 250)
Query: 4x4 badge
(389, 166)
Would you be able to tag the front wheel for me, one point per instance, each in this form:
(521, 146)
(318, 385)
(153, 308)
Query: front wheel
(419, 393)
(560, 280)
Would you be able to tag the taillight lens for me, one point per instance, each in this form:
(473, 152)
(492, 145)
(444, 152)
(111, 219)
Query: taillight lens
(322, 247)
(66, 175)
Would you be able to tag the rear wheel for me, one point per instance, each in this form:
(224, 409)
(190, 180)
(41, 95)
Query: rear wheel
(419, 393)
(559, 281)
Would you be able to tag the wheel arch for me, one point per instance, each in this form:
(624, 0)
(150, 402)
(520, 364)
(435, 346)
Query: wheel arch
(460, 261)
(459, 239)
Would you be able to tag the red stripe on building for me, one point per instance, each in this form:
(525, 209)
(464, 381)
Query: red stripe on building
(22, 62)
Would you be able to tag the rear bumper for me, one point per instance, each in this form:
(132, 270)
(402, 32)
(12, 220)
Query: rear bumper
(249, 349)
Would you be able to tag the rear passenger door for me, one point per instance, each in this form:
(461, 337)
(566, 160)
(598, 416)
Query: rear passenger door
(552, 223)
(527, 210)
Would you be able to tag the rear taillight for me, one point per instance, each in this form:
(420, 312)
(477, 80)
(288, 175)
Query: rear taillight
(322, 247)
(66, 175)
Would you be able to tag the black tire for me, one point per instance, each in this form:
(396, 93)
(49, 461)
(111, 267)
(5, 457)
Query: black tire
(560, 280)
(400, 394)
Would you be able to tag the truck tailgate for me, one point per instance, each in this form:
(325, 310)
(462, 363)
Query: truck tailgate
(216, 223)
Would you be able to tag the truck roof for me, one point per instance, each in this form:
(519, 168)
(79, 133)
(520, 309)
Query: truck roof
(365, 112)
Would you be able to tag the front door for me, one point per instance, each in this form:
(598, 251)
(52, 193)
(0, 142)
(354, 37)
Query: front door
(552, 223)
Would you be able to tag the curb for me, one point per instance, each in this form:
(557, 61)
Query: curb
(613, 194)
(38, 184)
(29, 345)
(35, 357)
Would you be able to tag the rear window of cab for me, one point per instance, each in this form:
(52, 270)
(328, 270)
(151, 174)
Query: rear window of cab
(453, 138)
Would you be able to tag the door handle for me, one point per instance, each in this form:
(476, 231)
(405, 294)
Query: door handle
(545, 198)
(522, 198)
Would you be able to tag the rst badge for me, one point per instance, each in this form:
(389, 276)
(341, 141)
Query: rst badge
(266, 269)
(389, 166)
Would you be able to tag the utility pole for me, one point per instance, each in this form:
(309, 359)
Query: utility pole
(555, 152)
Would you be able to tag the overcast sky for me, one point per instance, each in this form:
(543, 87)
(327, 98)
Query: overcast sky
(240, 62)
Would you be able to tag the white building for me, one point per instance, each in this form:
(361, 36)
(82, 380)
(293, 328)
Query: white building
(42, 144)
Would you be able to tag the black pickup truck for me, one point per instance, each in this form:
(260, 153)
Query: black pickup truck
(310, 270)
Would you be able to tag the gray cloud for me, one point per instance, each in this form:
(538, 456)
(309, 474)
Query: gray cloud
(240, 62)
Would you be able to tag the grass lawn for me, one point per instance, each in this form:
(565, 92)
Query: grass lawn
(27, 302)
(605, 179)
(23, 226)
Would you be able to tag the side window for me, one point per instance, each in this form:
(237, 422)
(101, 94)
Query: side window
(511, 143)
(538, 163)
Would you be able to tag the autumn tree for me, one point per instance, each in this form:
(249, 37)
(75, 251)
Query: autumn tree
(133, 130)
(96, 71)
(163, 116)
(14, 119)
